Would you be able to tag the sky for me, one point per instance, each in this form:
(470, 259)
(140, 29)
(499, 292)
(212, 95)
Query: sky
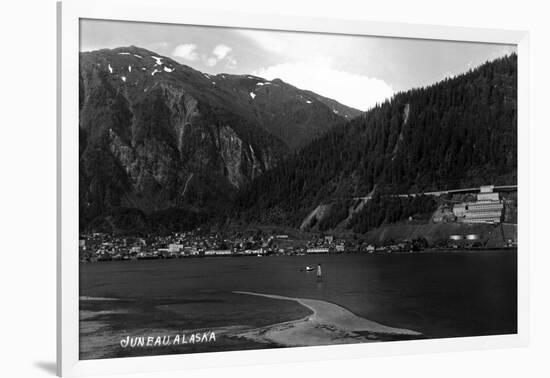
(358, 71)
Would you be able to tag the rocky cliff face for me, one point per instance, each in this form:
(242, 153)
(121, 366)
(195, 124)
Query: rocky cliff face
(157, 135)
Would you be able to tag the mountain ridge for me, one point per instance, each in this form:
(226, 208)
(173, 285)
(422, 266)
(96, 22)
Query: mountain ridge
(158, 135)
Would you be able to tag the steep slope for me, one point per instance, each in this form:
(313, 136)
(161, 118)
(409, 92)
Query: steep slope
(157, 135)
(460, 132)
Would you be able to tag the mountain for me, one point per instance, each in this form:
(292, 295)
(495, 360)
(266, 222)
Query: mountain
(460, 132)
(160, 140)
(294, 116)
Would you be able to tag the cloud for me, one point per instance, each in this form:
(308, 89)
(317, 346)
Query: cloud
(186, 51)
(354, 90)
(231, 62)
(221, 51)
(210, 61)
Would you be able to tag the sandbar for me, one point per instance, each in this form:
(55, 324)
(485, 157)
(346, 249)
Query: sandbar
(328, 324)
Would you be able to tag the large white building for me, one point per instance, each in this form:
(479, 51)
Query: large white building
(218, 252)
(488, 208)
(317, 250)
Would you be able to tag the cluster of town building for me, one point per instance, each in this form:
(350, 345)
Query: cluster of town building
(105, 247)
(488, 207)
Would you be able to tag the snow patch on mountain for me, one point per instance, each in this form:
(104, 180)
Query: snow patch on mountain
(158, 60)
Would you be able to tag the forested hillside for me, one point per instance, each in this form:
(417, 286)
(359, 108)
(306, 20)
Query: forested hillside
(460, 132)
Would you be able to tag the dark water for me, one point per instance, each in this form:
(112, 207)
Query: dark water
(444, 294)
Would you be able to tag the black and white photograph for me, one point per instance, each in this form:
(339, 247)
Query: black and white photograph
(244, 189)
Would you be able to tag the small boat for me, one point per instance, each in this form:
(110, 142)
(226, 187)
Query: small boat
(307, 269)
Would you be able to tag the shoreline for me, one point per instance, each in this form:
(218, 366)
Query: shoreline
(347, 253)
(328, 324)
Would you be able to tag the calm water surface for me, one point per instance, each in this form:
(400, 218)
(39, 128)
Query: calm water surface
(442, 294)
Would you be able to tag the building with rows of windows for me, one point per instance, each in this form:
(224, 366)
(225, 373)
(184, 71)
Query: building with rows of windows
(488, 208)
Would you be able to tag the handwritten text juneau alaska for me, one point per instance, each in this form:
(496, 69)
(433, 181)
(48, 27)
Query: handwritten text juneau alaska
(165, 340)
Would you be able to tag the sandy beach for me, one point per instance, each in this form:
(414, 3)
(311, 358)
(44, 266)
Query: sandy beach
(328, 324)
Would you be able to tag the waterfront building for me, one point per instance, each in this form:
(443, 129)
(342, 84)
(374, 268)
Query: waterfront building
(317, 250)
(218, 252)
(190, 251)
(174, 248)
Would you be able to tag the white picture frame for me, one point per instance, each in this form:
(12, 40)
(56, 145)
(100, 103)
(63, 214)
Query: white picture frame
(165, 11)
